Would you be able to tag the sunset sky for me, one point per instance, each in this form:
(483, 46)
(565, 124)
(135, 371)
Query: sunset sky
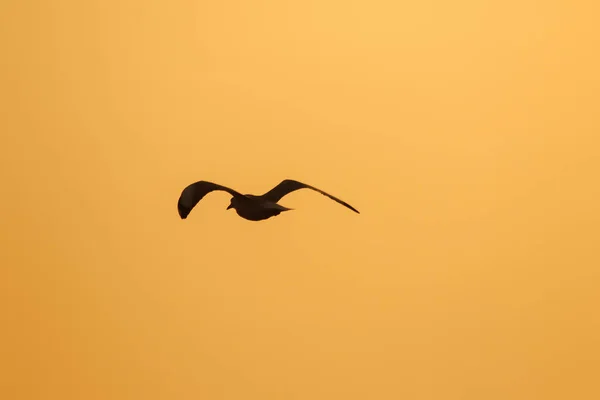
(466, 132)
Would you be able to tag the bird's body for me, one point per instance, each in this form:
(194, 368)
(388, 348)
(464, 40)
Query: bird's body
(247, 206)
(252, 208)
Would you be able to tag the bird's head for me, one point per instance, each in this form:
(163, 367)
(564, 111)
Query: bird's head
(231, 203)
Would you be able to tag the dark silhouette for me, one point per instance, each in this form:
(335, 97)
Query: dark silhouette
(248, 206)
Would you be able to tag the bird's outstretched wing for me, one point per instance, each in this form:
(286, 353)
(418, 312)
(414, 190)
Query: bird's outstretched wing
(192, 194)
(288, 185)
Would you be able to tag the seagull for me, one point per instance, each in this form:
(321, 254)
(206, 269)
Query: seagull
(247, 206)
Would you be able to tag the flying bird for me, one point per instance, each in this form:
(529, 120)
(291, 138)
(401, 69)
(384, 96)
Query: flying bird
(247, 206)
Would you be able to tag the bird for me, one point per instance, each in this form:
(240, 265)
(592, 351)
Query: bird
(247, 206)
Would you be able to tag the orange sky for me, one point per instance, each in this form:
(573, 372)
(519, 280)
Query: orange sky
(465, 132)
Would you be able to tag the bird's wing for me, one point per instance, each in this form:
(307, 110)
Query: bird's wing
(288, 185)
(192, 194)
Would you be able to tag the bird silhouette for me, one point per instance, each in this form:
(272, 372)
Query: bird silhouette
(247, 206)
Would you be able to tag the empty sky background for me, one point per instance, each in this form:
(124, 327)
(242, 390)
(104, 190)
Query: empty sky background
(466, 132)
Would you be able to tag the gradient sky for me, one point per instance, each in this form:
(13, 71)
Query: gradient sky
(466, 133)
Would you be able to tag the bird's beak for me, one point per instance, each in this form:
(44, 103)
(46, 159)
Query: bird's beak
(229, 206)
